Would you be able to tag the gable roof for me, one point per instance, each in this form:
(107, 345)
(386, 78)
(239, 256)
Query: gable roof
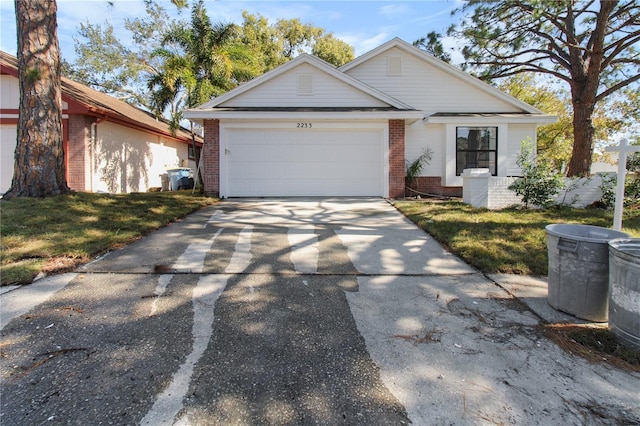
(443, 66)
(102, 105)
(316, 63)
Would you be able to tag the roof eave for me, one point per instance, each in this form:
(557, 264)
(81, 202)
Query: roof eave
(199, 115)
(539, 119)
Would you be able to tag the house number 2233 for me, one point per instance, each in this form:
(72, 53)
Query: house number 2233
(304, 125)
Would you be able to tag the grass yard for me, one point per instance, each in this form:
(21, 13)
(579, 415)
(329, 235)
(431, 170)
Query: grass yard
(504, 241)
(55, 234)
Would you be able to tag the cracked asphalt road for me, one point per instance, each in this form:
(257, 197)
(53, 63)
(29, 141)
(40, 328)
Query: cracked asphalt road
(293, 312)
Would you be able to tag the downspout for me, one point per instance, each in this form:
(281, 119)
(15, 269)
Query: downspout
(92, 154)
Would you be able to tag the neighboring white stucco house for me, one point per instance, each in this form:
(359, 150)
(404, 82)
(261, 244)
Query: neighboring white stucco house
(307, 128)
(110, 146)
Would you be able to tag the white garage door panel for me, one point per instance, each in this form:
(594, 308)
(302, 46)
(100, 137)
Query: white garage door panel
(305, 162)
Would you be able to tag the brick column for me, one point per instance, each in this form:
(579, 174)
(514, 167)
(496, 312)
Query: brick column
(396, 159)
(78, 154)
(211, 158)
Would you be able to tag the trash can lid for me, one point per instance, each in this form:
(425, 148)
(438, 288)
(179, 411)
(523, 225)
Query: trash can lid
(630, 246)
(588, 233)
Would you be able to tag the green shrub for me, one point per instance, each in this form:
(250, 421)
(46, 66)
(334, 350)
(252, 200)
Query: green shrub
(539, 183)
(608, 188)
(414, 169)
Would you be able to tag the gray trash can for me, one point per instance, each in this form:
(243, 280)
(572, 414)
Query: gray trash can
(624, 290)
(579, 269)
(176, 175)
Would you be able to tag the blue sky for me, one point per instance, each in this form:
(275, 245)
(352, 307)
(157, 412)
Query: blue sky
(363, 24)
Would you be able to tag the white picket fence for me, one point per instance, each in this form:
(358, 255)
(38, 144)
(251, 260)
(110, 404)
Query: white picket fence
(480, 189)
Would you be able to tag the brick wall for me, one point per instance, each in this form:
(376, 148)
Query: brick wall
(211, 158)
(494, 193)
(396, 158)
(78, 158)
(433, 185)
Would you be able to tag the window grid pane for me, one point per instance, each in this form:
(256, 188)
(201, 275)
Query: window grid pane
(476, 147)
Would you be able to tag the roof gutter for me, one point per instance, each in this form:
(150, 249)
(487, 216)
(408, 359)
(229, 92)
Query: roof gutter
(199, 115)
(540, 119)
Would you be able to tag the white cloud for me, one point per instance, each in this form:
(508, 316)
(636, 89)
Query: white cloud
(362, 43)
(394, 10)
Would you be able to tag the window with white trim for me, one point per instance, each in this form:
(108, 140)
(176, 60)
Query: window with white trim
(477, 147)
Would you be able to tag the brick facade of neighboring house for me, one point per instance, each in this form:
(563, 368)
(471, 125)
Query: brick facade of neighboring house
(109, 145)
(77, 149)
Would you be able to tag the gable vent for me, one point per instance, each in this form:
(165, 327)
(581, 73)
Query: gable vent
(394, 65)
(305, 84)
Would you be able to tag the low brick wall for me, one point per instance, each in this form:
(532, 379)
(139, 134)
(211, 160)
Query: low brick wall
(494, 193)
(432, 186)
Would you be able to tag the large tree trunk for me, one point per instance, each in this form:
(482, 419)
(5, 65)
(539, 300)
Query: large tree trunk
(583, 134)
(586, 75)
(39, 168)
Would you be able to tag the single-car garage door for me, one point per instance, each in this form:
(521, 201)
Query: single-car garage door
(304, 161)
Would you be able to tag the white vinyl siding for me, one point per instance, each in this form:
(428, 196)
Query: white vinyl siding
(425, 87)
(394, 65)
(282, 91)
(517, 134)
(281, 159)
(426, 136)
(305, 84)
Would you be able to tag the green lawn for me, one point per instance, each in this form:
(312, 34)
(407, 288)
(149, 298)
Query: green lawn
(505, 241)
(55, 234)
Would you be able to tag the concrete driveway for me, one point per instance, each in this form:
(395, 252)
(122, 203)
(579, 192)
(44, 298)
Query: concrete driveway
(291, 311)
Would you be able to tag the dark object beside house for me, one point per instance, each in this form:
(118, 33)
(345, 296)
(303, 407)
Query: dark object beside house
(185, 183)
(181, 178)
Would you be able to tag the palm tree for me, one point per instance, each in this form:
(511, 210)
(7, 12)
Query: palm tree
(200, 61)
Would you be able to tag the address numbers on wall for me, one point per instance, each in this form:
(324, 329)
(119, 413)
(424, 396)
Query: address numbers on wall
(304, 125)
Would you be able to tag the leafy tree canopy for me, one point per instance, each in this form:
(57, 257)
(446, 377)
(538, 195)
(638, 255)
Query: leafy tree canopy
(107, 64)
(432, 44)
(199, 60)
(287, 38)
(554, 141)
(332, 50)
(590, 45)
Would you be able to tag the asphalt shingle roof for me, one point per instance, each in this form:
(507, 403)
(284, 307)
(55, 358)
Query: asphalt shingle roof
(103, 104)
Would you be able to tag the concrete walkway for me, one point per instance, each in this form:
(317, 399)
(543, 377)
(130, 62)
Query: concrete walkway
(318, 311)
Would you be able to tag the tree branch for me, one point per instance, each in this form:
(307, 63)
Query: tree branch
(617, 87)
(619, 47)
